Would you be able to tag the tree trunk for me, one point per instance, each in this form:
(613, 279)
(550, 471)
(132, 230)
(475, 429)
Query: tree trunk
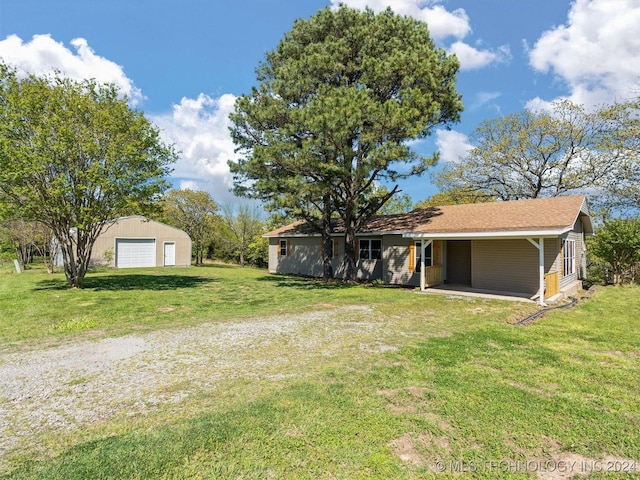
(350, 272)
(76, 252)
(327, 267)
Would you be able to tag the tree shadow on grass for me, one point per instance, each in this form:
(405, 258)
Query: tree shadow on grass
(307, 283)
(132, 281)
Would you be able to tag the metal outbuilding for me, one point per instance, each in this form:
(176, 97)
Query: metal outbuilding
(137, 241)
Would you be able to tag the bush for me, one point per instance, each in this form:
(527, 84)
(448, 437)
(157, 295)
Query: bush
(616, 247)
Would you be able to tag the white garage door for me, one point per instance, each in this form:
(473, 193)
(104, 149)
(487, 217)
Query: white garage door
(138, 252)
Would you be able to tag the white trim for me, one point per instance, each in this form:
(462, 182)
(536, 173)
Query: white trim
(541, 266)
(571, 258)
(370, 250)
(497, 235)
(500, 234)
(423, 250)
(286, 247)
(336, 235)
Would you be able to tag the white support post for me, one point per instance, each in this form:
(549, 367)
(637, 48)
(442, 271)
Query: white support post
(423, 248)
(541, 265)
(540, 246)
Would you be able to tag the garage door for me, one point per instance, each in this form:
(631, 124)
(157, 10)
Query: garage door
(139, 252)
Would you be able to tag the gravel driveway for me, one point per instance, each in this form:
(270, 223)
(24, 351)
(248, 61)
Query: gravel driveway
(63, 388)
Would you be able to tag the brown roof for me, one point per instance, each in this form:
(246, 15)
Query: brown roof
(540, 214)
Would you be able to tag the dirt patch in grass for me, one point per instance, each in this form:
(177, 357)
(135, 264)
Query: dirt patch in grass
(551, 461)
(404, 448)
(420, 449)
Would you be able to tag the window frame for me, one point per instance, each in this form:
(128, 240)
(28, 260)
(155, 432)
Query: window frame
(428, 255)
(369, 249)
(283, 247)
(568, 257)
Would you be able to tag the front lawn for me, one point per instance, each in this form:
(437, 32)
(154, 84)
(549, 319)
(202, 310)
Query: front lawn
(37, 306)
(437, 386)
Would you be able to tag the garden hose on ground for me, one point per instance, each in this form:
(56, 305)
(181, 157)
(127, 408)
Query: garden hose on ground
(531, 318)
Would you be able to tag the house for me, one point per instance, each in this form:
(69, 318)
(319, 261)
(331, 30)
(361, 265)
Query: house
(137, 241)
(522, 247)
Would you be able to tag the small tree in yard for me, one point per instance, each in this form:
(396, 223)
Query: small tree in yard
(195, 213)
(26, 237)
(241, 227)
(74, 156)
(617, 243)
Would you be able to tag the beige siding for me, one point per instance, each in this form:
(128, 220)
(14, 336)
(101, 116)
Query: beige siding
(303, 256)
(365, 269)
(395, 254)
(141, 228)
(396, 260)
(501, 265)
(507, 265)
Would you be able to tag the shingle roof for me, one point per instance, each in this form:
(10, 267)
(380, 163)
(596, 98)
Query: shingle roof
(541, 214)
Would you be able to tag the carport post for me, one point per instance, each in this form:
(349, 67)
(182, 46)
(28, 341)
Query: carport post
(423, 248)
(540, 246)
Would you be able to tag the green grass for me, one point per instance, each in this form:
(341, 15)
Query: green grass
(464, 387)
(37, 306)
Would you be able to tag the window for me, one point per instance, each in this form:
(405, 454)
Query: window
(370, 249)
(428, 257)
(283, 248)
(569, 257)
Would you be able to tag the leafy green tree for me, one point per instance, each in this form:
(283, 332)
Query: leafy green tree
(622, 184)
(74, 156)
(455, 196)
(195, 212)
(21, 236)
(336, 103)
(258, 252)
(618, 244)
(27, 237)
(398, 203)
(533, 154)
(243, 225)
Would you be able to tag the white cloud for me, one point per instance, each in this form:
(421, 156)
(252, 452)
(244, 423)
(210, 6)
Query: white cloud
(199, 128)
(43, 55)
(538, 104)
(595, 53)
(189, 185)
(485, 98)
(453, 146)
(471, 58)
(442, 23)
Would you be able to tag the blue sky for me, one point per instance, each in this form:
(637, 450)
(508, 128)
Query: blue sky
(183, 63)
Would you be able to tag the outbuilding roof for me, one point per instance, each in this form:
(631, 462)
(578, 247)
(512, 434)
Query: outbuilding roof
(540, 216)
